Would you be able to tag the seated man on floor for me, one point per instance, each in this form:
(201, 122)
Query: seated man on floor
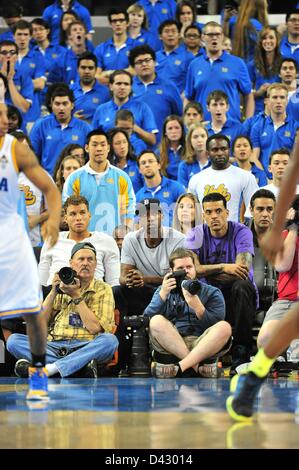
(225, 250)
(80, 316)
(187, 320)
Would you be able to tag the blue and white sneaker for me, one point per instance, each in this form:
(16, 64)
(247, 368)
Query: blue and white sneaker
(38, 384)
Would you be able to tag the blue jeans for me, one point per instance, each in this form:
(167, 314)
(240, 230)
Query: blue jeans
(77, 353)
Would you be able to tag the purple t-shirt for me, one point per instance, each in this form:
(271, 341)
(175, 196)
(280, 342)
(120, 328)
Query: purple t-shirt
(211, 250)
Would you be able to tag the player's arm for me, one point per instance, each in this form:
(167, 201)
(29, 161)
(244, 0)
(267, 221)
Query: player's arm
(28, 163)
(273, 243)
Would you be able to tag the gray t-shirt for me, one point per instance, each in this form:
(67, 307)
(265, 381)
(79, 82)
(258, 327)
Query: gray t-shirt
(150, 261)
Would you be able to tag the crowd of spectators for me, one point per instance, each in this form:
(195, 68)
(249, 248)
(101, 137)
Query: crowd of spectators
(158, 139)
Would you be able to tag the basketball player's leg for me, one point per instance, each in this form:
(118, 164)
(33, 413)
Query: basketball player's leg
(245, 387)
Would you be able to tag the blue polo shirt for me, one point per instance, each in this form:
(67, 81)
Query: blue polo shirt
(65, 68)
(132, 171)
(110, 195)
(289, 50)
(251, 36)
(7, 36)
(49, 139)
(266, 138)
(109, 58)
(174, 159)
(187, 170)
(138, 144)
(33, 65)
(167, 192)
(258, 80)
(227, 73)
(104, 116)
(173, 66)
(89, 101)
(50, 54)
(248, 124)
(162, 96)
(53, 13)
(260, 175)
(231, 129)
(24, 85)
(146, 37)
(162, 10)
(293, 106)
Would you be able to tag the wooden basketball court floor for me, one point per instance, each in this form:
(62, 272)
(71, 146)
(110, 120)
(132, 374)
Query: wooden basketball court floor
(146, 413)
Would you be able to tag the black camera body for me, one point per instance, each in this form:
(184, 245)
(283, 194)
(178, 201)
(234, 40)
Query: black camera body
(67, 275)
(179, 276)
(295, 220)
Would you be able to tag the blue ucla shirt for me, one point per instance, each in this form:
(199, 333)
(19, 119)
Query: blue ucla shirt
(53, 13)
(88, 101)
(109, 58)
(162, 96)
(49, 139)
(24, 85)
(258, 80)
(167, 192)
(146, 37)
(227, 73)
(33, 65)
(65, 68)
(266, 138)
(111, 197)
(105, 115)
(162, 10)
(231, 129)
(187, 170)
(173, 66)
(289, 50)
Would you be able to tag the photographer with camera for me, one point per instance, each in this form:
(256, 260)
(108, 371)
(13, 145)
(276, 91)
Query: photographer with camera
(187, 321)
(80, 314)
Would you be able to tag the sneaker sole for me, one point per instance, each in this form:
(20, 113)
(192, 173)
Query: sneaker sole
(235, 416)
(37, 396)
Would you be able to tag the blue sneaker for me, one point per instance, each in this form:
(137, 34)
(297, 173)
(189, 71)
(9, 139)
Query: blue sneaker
(244, 389)
(38, 384)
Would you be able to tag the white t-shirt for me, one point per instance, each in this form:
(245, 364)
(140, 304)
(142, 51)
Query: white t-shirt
(108, 258)
(150, 261)
(274, 190)
(233, 183)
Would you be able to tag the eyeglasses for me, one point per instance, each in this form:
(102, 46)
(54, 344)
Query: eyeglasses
(143, 61)
(8, 52)
(211, 35)
(119, 20)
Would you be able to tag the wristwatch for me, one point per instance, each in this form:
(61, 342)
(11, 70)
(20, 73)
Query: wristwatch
(78, 300)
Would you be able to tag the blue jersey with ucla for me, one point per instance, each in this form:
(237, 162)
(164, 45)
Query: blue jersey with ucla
(110, 196)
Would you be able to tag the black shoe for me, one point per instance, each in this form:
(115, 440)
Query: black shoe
(21, 368)
(90, 371)
(244, 388)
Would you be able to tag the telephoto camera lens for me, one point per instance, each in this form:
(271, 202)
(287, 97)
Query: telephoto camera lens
(67, 275)
(191, 285)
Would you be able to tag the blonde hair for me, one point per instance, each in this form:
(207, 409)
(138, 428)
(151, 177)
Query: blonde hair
(189, 155)
(273, 86)
(176, 224)
(135, 8)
